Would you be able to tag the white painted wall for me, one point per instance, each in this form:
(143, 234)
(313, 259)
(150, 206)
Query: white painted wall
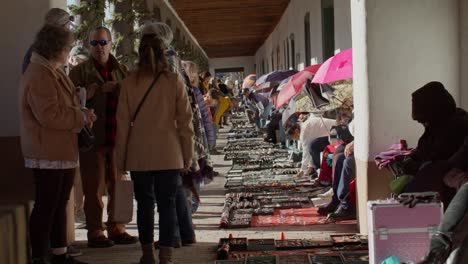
(292, 22)
(405, 50)
(233, 62)
(27, 17)
(464, 54)
(399, 46)
(342, 25)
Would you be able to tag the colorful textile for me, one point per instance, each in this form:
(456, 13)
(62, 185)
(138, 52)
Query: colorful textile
(326, 169)
(397, 152)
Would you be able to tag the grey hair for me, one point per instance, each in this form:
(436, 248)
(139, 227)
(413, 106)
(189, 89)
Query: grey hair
(161, 30)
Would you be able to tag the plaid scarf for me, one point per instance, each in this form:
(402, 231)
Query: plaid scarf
(111, 108)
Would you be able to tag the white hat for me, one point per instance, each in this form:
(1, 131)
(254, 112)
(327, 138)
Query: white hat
(161, 30)
(58, 17)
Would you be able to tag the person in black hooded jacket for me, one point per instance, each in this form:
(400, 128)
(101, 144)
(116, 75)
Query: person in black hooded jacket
(446, 128)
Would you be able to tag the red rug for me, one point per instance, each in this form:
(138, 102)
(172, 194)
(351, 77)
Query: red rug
(293, 217)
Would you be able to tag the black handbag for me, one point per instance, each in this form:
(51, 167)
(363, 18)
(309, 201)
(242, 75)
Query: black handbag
(86, 139)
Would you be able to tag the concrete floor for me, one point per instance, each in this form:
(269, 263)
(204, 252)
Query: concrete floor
(207, 231)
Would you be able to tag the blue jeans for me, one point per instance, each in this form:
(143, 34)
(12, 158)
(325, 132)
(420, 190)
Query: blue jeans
(183, 227)
(339, 161)
(195, 202)
(265, 114)
(212, 144)
(348, 174)
(159, 187)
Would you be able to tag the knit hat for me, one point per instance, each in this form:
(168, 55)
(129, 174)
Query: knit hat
(161, 30)
(58, 17)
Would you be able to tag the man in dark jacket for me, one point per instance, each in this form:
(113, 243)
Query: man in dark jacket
(101, 76)
(446, 128)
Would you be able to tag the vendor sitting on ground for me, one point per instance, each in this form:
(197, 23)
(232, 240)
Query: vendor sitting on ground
(450, 241)
(307, 132)
(446, 127)
(263, 105)
(344, 171)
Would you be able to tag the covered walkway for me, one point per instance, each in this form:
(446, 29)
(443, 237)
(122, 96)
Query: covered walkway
(207, 228)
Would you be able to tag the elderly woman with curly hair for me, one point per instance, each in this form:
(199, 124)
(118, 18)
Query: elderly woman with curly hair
(51, 118)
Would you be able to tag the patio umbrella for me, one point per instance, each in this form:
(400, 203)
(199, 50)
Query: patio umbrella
(278, 88)
(295, 84)
(314, 92)
(273, 78)
(336, 68)
(249, 81)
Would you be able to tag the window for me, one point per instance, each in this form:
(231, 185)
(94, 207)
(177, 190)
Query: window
(263, 67)
(288, 55)
(278, 64)
(308, 56)
(272, 62)
(328, 29)
(285, 54)
(168, 22)
(293, 52)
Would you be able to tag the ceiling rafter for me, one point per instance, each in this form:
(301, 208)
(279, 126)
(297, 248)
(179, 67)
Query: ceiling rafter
(228, 28)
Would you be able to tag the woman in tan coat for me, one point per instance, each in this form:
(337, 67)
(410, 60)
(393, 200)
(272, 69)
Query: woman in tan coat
(51, 118)
(157, 145)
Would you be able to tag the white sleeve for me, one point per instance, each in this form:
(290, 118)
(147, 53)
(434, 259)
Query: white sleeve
(306, 157)
(351, 127)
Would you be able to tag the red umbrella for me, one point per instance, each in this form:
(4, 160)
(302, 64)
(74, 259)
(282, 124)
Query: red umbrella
(295, 84)
(336, 68)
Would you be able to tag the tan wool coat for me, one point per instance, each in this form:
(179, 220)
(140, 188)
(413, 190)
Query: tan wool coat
(162, 135)
(50, 113)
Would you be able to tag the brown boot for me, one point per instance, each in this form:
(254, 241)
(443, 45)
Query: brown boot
(165, 255)
(148, 254)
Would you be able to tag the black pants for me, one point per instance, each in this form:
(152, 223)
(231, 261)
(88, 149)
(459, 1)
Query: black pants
(316, 147)
(49, 217)
(159, 187)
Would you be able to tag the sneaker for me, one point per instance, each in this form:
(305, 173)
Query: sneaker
(124, 239)
(74, 252)
(100, 242)
(342, 214)
(65, 259)
(327, 194)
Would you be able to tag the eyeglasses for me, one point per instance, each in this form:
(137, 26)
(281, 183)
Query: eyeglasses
(101, 42)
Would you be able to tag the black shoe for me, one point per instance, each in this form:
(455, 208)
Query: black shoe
(342, 214)
(124, 239)
(330, 208)
(100, 242)
(65, 259)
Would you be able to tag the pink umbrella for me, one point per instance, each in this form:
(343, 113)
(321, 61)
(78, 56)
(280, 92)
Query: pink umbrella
(295, 84)
(336, 68)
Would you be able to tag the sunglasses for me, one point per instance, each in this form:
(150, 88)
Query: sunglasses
(101, 42)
